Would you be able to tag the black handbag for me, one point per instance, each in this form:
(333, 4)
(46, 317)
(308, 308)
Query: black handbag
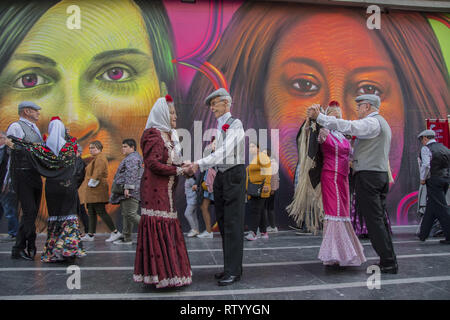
(255, 190)
(117, 188)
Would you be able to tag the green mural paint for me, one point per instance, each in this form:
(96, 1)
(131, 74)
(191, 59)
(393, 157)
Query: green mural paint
(443, 35)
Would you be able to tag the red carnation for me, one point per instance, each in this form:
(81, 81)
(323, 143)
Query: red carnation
(63, 149)
(169, 98)
(45, 149)
(73, 139)
(44, 137)
(55, 118)
(334, 104)
(225, 127)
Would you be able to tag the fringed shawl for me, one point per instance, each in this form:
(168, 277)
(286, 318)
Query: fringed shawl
(306, 207)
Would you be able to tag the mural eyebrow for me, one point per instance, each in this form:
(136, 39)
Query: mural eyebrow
(368, 69)
(310, 62)
(35, 58)
(114, 53)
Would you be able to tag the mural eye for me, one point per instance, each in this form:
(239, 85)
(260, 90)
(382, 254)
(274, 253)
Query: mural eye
(369, 89)
(29, 80)
(305, 86)
(115, 74)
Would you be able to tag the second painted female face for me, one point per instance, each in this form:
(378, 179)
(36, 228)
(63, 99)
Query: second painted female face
(330, 56)
(100, 79)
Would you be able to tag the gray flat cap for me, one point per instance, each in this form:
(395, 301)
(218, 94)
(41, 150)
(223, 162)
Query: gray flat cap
(373, 99)
(427, 133)
(28, 104)
(218, 93)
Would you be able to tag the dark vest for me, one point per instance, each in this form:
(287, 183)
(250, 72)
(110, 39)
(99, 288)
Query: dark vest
(440, 160)
(20, 157)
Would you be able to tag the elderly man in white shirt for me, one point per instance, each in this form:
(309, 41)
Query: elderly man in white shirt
(229, 184)
(26, 180)
(371, 167)
(435, 173)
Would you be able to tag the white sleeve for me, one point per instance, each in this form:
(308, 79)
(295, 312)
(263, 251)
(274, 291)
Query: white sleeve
(15, 130)
(426, 160)
(235, 135)
(366, 128)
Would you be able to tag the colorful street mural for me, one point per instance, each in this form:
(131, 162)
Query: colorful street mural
(276, 59)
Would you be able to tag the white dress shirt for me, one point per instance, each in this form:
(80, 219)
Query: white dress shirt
(425, 164)
(366, 128)
(16, 130)
(234, 135)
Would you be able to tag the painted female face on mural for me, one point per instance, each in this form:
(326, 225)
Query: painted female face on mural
(100, 80)
(330, 56)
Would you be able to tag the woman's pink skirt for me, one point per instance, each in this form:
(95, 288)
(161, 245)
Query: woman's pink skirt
(340, 245)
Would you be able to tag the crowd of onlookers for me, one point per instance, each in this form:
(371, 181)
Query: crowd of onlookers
(94, 193)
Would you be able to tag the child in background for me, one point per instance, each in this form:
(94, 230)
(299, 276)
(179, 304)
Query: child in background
(191, 206)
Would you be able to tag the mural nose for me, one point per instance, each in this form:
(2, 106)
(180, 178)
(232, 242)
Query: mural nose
(84, 127)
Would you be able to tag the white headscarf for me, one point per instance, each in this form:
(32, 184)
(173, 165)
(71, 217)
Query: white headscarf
(159, 118)
(56, 134)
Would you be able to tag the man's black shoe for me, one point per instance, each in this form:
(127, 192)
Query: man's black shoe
(219, 275)
(227, 280)
(32, 253)
(21, 254)
(445, 241)
(393, 269)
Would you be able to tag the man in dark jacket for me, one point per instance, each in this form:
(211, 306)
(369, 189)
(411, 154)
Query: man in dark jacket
(8, 199)
(435, 173)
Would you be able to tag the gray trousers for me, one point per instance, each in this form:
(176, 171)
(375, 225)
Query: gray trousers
(191, 216)
(129, 209)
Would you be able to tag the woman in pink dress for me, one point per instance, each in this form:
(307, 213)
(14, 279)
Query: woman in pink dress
(161, 255)
(340, 245)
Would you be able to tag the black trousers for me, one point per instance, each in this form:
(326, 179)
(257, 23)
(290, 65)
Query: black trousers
(28, 186)
(258, 217)
(371, 188)
(436, 207)
(229, 201)
(82, 214)
(270, 210)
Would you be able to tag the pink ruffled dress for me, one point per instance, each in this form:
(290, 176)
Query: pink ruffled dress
(340, 244)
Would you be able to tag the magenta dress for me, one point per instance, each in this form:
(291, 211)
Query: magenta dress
(340, 244)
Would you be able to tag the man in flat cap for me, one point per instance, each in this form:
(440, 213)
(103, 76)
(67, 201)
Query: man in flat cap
(435, 173)
(370, 167)
(229, 184)
(26, 180)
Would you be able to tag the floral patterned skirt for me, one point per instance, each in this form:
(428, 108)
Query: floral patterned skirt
(63, 239)
(161, 254)
(358, 223)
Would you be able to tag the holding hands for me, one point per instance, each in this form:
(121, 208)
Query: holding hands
(313, 111)
(9, 143)
(189, 169)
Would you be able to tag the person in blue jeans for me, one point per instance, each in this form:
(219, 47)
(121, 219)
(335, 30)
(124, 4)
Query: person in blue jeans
(8, 199)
